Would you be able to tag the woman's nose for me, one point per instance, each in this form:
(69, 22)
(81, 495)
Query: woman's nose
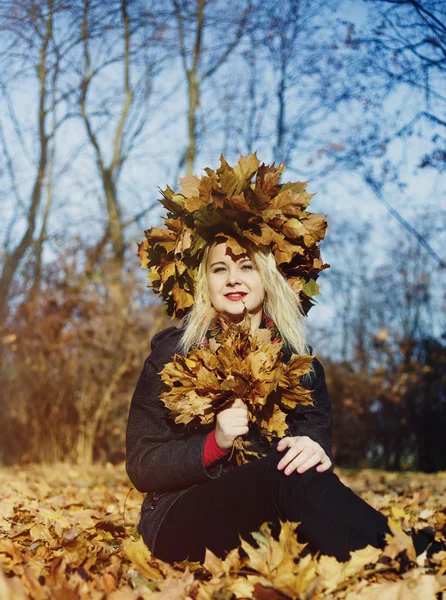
(233, 276)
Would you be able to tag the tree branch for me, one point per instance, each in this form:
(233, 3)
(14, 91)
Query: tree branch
(117, 156)
(376, 188)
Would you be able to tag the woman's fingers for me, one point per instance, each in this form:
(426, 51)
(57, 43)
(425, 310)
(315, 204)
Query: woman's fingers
(324, 466)
(231, 423)
(303, 456)
(238, 403)
(240, 430)
(284, 443)
(304, 462)
(238, 412)
(301, 467)
(295, 444)
(239, 422)
(292, 453)
(234, 414)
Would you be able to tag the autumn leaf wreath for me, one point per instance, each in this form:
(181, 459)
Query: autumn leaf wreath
(241, 365)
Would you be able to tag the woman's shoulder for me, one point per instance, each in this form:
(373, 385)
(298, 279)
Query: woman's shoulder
(164, 345)
(164, 336)
(287, 352)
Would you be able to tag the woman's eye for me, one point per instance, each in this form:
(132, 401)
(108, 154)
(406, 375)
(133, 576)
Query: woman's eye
(218, 269)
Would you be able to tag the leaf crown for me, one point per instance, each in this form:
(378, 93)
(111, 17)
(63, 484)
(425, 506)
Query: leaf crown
(244, 202)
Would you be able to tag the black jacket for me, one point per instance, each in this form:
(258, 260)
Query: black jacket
(165, 459)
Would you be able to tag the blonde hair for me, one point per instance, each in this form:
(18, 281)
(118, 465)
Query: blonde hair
(281, 304)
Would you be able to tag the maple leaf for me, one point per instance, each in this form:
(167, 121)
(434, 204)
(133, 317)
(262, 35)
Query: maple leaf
(268, 555)
(234, 245)
(245, 169)
(418, 586)
(440, 518)
(217, 566)
(293, 228)
(278, 560)
(398, 541)
(314, 226)
(181, 296)
(296, 284)
(190, 185)
(243, 588)
(11, 588)
(311, 288)
(276, 424)
(142, 558)
(180, 588)
(10, 552)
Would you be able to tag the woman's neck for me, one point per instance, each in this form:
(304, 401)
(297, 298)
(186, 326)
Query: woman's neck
(256, 320)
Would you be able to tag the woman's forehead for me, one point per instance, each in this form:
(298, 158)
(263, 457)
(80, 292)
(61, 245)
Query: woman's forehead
(222, 251)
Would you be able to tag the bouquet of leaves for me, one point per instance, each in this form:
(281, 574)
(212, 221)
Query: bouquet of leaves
(241, 365)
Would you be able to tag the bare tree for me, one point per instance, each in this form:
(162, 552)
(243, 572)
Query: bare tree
(290, 83)
(408, 45)
(32, 50)
(288, 28)
(207, 36)
(399, 63)
(114, 41)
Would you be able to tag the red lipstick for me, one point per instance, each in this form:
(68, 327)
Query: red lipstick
(235, 296)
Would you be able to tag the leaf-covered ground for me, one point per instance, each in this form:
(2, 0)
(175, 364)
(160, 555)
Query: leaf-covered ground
(67, 533)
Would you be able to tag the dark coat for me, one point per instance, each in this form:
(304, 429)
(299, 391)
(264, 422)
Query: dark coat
(166, 459)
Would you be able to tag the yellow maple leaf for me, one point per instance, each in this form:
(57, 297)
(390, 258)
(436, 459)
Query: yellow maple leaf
(398, 542)
(189, 185)
(181, 297)
(245, 169)
(149, 566)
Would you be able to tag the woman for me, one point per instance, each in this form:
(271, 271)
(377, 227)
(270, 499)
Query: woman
(197, 498)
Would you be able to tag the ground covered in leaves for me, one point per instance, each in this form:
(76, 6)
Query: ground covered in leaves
(67, 533)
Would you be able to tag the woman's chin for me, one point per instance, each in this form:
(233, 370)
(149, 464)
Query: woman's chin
(234, 315)
(237, 313)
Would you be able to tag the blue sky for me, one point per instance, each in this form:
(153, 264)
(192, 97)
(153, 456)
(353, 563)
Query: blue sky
(79, 208)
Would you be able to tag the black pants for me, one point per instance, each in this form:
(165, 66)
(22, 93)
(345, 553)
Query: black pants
(214, 514)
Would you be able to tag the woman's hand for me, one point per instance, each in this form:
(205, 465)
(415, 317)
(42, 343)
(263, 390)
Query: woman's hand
(303, 454)
(231, 423)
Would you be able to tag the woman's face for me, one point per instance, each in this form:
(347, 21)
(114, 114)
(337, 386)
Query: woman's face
(234, 284)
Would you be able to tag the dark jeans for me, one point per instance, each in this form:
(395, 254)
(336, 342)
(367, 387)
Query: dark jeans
(214, 514)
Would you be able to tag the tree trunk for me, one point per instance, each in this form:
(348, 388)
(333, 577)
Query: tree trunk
(115, 266)
(12, 261)
(85, 444)
(192, 122)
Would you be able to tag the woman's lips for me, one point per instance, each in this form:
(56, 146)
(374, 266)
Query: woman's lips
(235, 296)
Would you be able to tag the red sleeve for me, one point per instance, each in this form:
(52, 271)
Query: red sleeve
(212, 451)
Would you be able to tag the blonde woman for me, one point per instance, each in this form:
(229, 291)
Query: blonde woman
(196, 497)
(196, 500)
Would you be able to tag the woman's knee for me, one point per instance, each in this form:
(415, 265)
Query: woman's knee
(300, 479)
(286, 493)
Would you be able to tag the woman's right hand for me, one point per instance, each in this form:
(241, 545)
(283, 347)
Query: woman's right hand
(230, 423)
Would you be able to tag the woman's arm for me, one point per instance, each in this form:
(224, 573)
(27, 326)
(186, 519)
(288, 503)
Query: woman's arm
(162, 456)
(314, 420)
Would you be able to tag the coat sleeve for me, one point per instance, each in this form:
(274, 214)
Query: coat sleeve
(314, 420)
(162, 456)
